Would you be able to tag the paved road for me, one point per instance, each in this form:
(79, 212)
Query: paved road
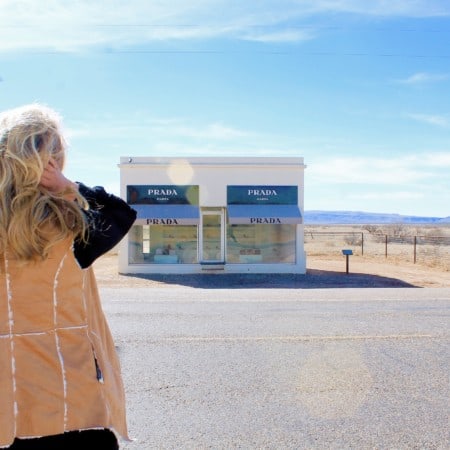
(284, 368)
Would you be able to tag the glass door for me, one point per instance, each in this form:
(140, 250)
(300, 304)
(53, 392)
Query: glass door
(212, 236)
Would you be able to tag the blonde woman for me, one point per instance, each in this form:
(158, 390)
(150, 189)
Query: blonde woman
(60, 381)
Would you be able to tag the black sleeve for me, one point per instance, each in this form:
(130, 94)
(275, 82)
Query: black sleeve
(109, 218)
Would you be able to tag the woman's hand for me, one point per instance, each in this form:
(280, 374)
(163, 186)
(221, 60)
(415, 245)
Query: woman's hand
(54, 181)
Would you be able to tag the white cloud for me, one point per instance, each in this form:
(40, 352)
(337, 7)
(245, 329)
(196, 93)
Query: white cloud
(441, 160)
(183, 128)
(160, 128)
(402, 170)
(288, 35)
(77, 24)
(423, 77)
(431, 119)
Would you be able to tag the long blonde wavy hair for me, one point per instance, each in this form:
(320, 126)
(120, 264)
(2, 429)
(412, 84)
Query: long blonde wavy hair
(33, 219)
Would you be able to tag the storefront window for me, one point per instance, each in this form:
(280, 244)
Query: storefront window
(162, 244)
(261, 243)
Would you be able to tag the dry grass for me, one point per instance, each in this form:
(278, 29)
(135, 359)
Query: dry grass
(428, 246)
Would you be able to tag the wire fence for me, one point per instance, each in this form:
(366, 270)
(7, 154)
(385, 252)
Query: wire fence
(427, 250)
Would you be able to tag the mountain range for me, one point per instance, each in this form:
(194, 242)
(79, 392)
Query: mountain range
(359, 217)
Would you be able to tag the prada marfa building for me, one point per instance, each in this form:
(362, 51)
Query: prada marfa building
(221, 215)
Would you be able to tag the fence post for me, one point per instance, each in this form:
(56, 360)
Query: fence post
(385, 245)
(362, 244)
(415, 249)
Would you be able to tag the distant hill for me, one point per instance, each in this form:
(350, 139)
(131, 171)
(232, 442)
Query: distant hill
(358, 217)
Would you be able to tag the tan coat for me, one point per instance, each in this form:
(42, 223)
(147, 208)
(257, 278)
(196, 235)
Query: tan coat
(58, 366)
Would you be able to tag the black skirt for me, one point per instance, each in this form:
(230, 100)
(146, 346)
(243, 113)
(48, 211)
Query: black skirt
(86, 439)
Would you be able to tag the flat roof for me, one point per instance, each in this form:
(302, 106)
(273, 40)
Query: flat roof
(129, 161)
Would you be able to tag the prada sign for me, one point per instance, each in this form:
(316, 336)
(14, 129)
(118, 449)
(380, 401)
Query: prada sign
(264, 215)
(262, 195)
(162, 194)
(270, 220)
(263, 205)
(163, 221)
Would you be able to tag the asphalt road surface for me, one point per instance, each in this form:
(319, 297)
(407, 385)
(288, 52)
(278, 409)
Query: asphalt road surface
(284, 368)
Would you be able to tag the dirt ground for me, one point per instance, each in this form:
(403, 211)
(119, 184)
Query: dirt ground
(322, 272)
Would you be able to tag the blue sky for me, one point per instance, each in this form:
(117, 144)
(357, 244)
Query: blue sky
(359, 88)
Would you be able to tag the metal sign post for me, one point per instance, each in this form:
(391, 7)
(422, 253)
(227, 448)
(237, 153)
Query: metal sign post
(347, 253)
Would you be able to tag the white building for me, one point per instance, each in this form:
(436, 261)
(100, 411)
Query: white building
(221, 215)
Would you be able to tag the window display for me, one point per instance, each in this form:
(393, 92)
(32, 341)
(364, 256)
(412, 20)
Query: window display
(163, 244)
(250, 244)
